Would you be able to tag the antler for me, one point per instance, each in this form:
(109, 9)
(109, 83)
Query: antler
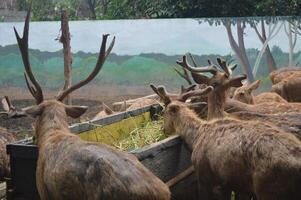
(184, 75)
(35, 89)
(199, 92)
(227, 69)
(161, 92)
(103, 54)
(164, 95)
(187, 66)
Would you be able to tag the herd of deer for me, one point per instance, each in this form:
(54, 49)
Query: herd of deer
(248, 144)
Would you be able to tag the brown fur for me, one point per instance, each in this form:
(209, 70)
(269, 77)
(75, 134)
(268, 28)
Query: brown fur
(268, 97)
(5, 138)
(264, 108)
(106, 111)
(283, 73)
(247, 156)
(287, 83)
(142, 103)
(289, 88)
(244, 93)
(69, 168)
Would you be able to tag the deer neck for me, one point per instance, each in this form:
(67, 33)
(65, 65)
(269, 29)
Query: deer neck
(187, 125)
(216, 105)
(53, 121)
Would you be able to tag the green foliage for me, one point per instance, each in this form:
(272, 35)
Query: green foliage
(130, 9)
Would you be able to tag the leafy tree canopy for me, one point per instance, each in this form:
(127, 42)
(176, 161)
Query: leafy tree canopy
(131, 9)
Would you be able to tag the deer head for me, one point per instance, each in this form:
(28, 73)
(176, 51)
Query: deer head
(244, 93)
(221, 81)
(34, 87)
(172, 105)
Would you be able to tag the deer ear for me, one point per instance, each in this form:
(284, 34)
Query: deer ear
(236, 81)
(254, 85)
(33, 111)
(107, 109)
(200, 78)
(75, 111)
(5, 105)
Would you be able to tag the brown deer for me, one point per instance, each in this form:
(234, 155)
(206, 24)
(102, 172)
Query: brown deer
(261, 112)
(249, 157)
(283, 73)
(70, 168)
(6, 137)
(106, 111)
(245, 94)
(286, 83)
(289, 88)
(222, 79)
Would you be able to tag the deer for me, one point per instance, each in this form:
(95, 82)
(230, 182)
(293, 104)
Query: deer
(245, 94)
(286, 83)
(268, 112)
(266, 103)
(281, 74)
(70, 168)
(6, 136)
(252, 158)
(106, 111)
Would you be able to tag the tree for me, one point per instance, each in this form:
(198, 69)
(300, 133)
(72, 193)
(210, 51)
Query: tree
(264, 39)
(65, 40)
(292, 30)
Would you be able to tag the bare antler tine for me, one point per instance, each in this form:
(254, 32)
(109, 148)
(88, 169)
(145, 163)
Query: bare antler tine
(103, 53)
(23, 46)
(222, 63)
(187, 66)
(199, 92)
(184, 75)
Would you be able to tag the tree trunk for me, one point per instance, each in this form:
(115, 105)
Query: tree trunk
(65, 40)
(270, 60)
(92, 5)
(239, 49)
(290, 45)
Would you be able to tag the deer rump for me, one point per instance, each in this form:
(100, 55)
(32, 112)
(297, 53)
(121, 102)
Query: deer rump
(76, 169)
(253, 158)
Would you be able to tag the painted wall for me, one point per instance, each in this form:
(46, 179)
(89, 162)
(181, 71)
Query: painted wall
(145, 50)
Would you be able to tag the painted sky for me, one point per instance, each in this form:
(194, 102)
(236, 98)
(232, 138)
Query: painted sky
(168, 36)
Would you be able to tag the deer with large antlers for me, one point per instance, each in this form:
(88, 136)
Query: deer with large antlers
(69, 168)
(251, 158)
(223, 80)
(220, 101)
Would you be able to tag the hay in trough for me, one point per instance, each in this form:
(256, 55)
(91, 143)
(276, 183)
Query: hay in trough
(144, 134)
